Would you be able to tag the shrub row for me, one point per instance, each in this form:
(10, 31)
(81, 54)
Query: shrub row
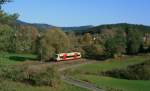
(135, 72)
(32, 74)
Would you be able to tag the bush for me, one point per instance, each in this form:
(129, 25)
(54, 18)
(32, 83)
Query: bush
(34, 74)
(94, 51)
(135, 72)
(4, 86)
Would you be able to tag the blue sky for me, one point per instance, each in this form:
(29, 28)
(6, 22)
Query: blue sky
(81, 12)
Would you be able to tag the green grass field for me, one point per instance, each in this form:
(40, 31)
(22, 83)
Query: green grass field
(11, 58)
(15, 86)
(7, 59)
(87, 72)
(122, 84)
(110, 64)
(91, 73)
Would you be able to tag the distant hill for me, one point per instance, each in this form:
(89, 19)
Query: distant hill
(39, 26)
(89, 28)
(77, 29)
(122, 26)
(42, 27)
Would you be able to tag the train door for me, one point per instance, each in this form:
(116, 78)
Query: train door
(75, 55)
(65, 56)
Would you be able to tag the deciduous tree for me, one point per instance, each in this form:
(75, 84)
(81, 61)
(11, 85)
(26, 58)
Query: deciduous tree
(26, 39)
(6, 38)
(134, 41)
(53, 41)
(116, 45)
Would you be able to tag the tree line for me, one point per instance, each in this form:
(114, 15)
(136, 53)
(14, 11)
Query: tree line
(96, 44)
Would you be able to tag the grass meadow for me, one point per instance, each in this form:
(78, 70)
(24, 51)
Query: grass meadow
(92, 73)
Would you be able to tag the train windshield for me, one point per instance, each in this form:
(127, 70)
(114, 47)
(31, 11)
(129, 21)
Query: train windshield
(56, 56)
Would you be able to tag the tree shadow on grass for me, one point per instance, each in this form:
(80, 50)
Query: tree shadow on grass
(98, 58)
(20, 58)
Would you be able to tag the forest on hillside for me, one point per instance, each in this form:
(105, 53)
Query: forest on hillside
(96, 42)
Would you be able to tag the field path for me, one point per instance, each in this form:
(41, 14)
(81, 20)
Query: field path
(81, 84)
(76, 82)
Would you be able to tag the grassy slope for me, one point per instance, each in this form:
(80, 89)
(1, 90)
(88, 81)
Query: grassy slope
(110, 64)
(7, 59)
(108, 82)
(127, 85)
(10, 58)
(14, 86)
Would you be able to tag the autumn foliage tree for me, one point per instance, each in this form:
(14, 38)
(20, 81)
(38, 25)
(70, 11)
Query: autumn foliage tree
(53, 41)
(87, 39)
(116, 46)
(91, 46)
(25, 39)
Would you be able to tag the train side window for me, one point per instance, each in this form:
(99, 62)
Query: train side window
(70, 56)
(61, 56)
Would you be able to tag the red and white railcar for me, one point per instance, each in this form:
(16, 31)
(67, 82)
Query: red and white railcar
(68, 56)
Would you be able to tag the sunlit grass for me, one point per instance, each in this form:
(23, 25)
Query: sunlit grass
(92, 73)
(122, 84)
(15, 86)
(96, 68)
